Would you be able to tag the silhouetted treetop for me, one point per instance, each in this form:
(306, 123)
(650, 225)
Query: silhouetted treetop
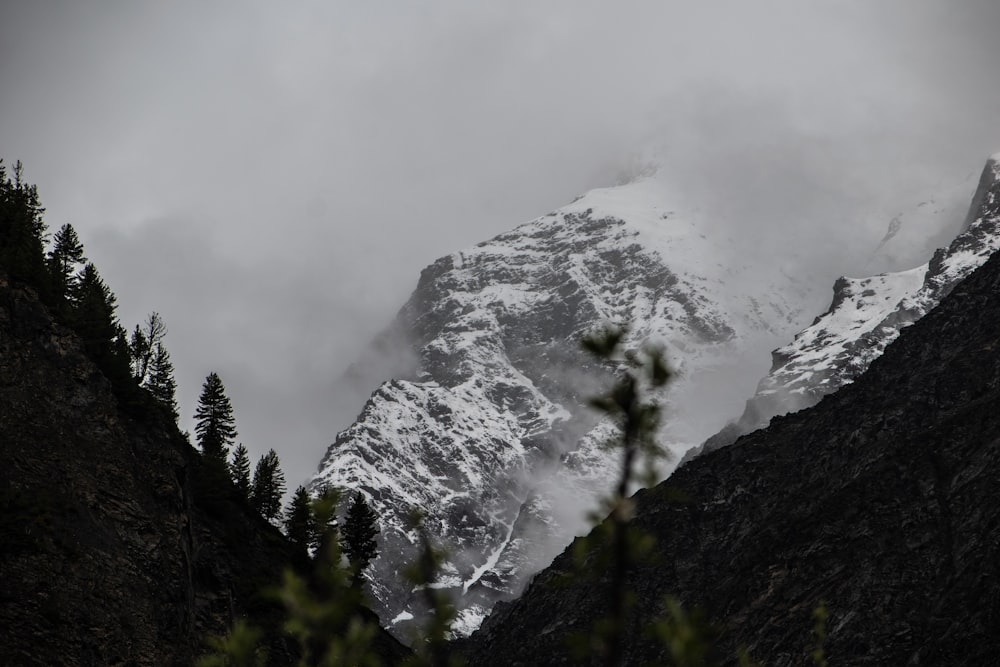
(216, 426)
(22, 230)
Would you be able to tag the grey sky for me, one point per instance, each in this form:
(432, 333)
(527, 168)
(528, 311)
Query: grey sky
(271, 177)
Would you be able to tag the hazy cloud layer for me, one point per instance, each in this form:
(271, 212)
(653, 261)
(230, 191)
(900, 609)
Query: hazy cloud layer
(271, 178)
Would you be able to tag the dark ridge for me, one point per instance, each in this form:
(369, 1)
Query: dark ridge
(117, 544)
(881, 502)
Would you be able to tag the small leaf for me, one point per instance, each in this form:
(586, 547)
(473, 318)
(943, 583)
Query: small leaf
(604, 404)
(603, 342)
(659, 371)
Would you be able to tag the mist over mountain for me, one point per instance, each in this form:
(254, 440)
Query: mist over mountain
(296, 166)
(867, 314)
(485, 429)
(776, 192)
(877, 503)
(483, 423)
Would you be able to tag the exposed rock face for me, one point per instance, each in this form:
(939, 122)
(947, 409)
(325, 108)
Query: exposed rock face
(105, 558)
(110, 553)
(881, 501)
(488, 434)
(867, 314)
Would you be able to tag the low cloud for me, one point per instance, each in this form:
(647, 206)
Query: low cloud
(272, 178)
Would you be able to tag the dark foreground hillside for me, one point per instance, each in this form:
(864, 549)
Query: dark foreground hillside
(883, 502)
(107, 555)
(117, 547)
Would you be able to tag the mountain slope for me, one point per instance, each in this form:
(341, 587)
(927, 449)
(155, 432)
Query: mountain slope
(117, 547)
(485, 429)
(880, 501)
(476, 434)
(488, 434)
(108, 556)
(867, 314)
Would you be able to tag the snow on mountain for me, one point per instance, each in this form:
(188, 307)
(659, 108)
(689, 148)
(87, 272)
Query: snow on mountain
(485, 430)
(915, 234)
(488, 434)
(867, 314)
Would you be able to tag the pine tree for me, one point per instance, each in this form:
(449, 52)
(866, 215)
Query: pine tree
(300, 525)
(160, 381)
(216, 426)
(65, 255)
(93, 316)
(239, 471)
(143, 344)
(138, 348)
(360, 529)
(268, 486)
(22, 231)
(94, 307)
(326, 529)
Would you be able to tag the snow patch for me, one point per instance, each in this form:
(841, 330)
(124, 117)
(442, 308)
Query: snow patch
(400, 617)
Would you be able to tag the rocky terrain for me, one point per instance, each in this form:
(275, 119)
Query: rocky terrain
(877, 502)
(867, 314)
(493, 380)
(483, 425)
(115, 548)
(487, 431)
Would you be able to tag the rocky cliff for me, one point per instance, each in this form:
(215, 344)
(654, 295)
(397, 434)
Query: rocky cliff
(115, 546)
(867, 314)
(881, 502)
(108, 557)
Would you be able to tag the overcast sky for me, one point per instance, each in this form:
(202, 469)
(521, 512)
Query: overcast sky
(272, 176)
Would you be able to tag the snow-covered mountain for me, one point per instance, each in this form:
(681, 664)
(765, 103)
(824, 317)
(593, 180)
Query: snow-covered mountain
(866, 314)
(486, 431)
(483, 428)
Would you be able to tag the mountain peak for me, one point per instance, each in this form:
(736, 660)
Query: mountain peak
(492, 430)
(490, 435)
(986, 200)
(877, 504)
(865, 315)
